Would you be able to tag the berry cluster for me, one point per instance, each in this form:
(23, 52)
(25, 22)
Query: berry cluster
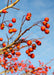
(28, 16)
(10, 25)
(31, 49)
(45, 26)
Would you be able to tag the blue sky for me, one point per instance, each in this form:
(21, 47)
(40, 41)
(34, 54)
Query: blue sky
(39, 9)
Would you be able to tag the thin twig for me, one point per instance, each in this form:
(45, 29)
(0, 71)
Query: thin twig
(3, 18)
(7, 3)
(11, 1)
(21, 25)
(16, 8)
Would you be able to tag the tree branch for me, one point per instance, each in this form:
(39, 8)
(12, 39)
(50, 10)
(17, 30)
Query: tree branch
(10, 6)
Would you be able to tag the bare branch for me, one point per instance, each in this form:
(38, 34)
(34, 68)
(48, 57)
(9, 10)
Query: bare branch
(3, 18)
(22, 25)
(15, 8)
(10, 6)
(7, 3)
(11, 1)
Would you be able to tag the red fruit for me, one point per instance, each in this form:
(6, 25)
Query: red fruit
(12, 70)
(28, 18)
(27, 51)
(47, 31)
(20, 64)
(13, 52)
(6, 53)
(4, 11)
(29, 54)
(10, 25)
(10, 31)
(33, 46)
(15, 68)
(9, 56)
(44, 22)
(49, 67)
(30, 49)
(38, 42)
(26, 71)
(39, 61)
(46, 19)
(47, 25)
(18, 46)
(43, 28)
(32, 55)
(13, 20)
(14, 29)
(29, 42)
(18, 53)
(1, 39)
(2, 65)
(44, 72)
(29, 14)
(30, 66)
(3, 44)
(10, 67)
(2, 26)
(46, 69)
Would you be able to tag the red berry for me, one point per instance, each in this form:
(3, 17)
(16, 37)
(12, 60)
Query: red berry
(10, 30)
(43, 28)
(1, 39)
(13, 52)
(30, 49)
(49, 67)
(29, 14)
(33, 46)
(29, 42)
(46, 19)
(4, 11)
(13, 20)
(3, 44)
(47, 25)
(6, 53)
(9, 56)
(44, 22)
(29, 54)
(26, 71)
(2, 26)
(12, 71)
(28, 18)
(32, 55)
(18, 53)
(10, 25)
(38, 42)
(27, 51)
(14, 29)
(47, 31)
